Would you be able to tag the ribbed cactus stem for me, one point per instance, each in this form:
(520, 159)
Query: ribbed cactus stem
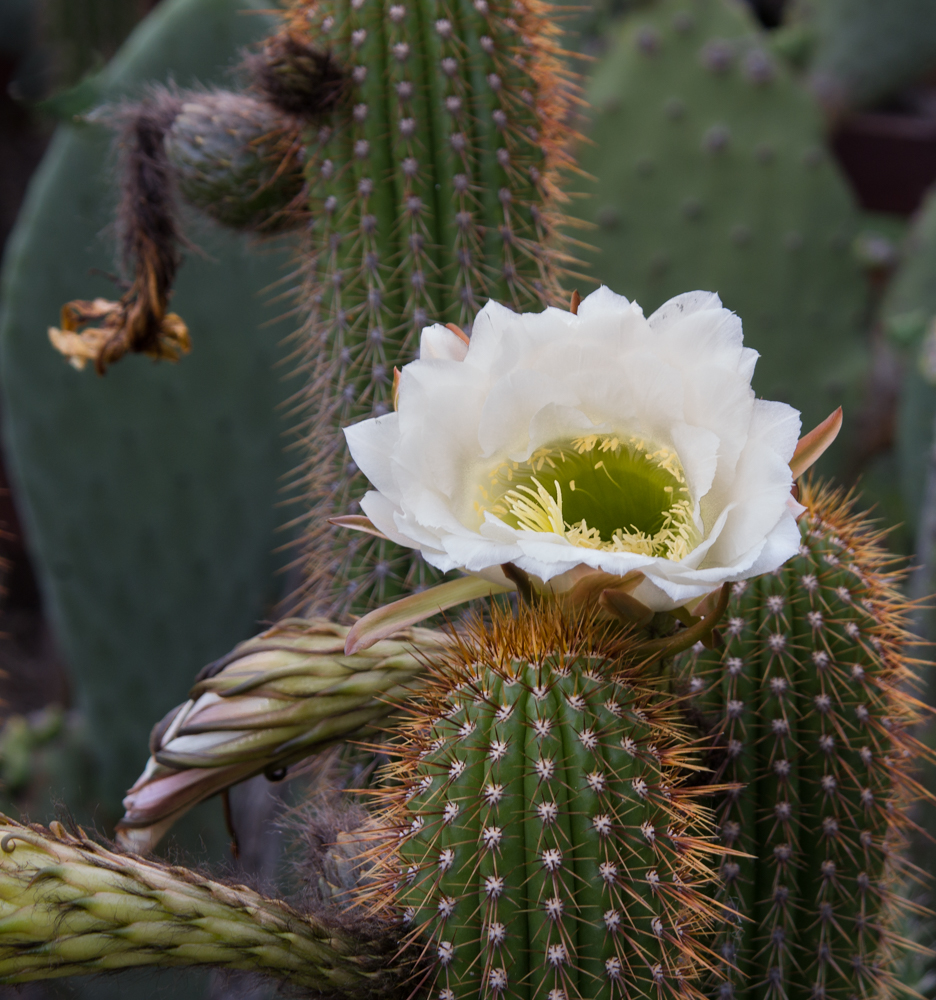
(433, 187)
(810, 709)
(71, 907)
(547, 845)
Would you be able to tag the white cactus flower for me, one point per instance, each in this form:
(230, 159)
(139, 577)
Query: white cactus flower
(598, 442)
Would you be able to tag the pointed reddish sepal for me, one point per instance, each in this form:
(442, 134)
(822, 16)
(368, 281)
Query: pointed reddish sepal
(811, 446)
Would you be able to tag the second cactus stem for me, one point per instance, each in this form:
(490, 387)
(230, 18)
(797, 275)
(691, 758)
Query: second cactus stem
(71, 907)
(809, 703)
(433, 187)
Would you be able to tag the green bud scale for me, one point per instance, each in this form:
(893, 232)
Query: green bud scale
(238, 159)
(809, 705)
(543, 841)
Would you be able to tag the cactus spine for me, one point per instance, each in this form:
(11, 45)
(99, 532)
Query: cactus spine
(809, 705)
(546, 845)
(433, 185)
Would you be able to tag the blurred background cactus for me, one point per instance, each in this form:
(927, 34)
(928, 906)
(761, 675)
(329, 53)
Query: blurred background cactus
(711, 172)
(863, 53)
(162, 557)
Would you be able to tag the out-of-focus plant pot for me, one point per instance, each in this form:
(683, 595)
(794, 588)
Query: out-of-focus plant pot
(890, 156)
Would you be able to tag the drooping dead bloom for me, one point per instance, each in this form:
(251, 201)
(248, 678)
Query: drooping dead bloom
(102, 331)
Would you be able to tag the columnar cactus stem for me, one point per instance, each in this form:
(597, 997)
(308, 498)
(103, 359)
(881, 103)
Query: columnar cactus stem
(71, 907)
(434, 187)
(811, 711)
(545, 844)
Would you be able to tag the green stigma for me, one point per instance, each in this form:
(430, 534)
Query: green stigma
(602, 491)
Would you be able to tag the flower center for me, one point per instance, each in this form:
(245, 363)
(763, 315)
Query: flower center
(602, 491)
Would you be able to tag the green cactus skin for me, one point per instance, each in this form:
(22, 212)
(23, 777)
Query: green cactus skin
(909, 316)
(809, 704)
(149, 496)
(710, 173)
(864, 51)
(237, 159)
(546, 847)
(71, 907)
(433, 186)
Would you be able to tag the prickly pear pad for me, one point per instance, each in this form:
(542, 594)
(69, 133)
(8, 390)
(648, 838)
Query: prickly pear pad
(543, 843)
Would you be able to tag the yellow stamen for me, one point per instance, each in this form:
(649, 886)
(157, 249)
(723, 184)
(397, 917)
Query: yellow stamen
(530, 506)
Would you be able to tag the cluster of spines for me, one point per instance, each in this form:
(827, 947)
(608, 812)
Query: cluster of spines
(434, 186)
(810, 702)
(540, 840)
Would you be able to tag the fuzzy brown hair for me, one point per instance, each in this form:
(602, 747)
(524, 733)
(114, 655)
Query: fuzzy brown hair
(296, 77)
(150, 241)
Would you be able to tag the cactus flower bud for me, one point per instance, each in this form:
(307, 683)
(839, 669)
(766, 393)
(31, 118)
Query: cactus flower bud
(276, 699)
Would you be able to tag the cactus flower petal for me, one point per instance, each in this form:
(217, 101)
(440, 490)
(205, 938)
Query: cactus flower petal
(442, 344)
(597, 441)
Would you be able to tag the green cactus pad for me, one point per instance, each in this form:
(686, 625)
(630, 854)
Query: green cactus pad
(710, 172)
(149, 495)
(809, 710)
(548, 848)
(909, 315)
(865, 50)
